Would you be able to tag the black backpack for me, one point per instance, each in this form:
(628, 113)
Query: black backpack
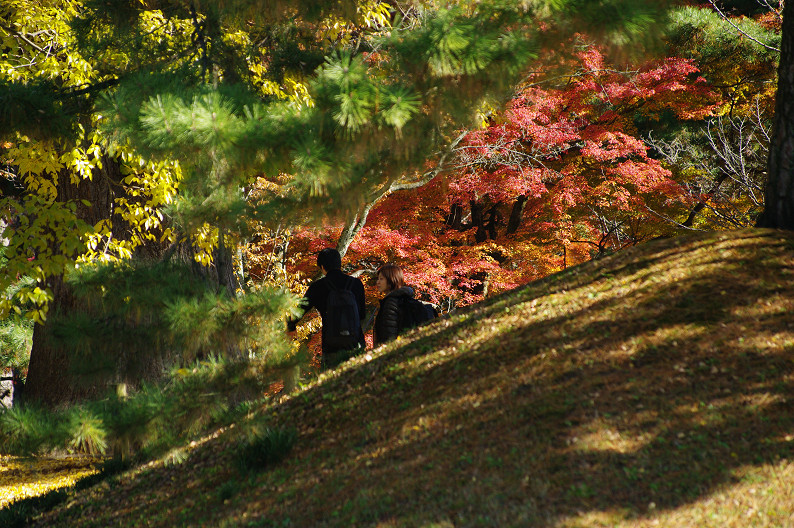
(341, 325)
(414, 312)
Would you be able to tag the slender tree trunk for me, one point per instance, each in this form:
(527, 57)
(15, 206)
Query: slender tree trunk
(224, 264)
(477, 220)
(360, 219)
(455, 216)
(278, 263)
(221, 275)
(690, 220)
(516, 213)
(493, 220)
(354, 226)
(779, 196)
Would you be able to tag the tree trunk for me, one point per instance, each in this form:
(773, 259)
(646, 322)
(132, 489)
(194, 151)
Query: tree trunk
(455, 216)
(493, 220)
(49, 381)
(221, 275)
(224, 264)
(477, 221)
(516, 213)
(690, 220)
(779, 196)
(354, 226)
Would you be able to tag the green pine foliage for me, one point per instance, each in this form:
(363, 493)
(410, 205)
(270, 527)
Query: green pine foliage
(621, 25)
(30, 430)
(152, 421)
(162, 314)
(16, 334)
(16, 330)
(704, 35)
(37, 109)
(214, 351)
(86, 434)
(367, 125)
(722, 160)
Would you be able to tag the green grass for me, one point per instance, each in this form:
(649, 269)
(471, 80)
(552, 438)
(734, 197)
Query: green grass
(650, 388)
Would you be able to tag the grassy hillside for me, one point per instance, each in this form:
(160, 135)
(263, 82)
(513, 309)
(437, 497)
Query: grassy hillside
(650, 388)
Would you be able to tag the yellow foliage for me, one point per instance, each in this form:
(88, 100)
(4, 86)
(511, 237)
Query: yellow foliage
(372, 14)
(205, 240)
(37, 43)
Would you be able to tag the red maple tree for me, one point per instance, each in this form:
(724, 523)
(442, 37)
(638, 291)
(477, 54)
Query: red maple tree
(561, 175)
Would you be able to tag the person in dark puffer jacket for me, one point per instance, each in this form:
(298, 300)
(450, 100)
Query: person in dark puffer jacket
(388, 319)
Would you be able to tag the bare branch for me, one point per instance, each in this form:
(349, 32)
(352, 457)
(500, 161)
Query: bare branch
(671, 220)
(435, 171)
(359, 219)
(740, 30)
(778, 11)
(26, 40)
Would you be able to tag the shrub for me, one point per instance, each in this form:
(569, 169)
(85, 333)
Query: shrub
(267, 449)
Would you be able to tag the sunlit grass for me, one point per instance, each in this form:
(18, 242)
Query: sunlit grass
(28, 477)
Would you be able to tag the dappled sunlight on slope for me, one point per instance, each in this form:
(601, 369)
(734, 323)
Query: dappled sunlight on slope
(649, 388)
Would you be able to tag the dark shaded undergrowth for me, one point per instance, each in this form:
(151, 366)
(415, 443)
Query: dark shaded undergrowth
(649, 388)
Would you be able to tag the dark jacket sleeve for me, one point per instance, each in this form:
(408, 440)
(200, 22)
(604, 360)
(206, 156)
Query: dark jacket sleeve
(312, 297)
(309, 301)
(387, 322)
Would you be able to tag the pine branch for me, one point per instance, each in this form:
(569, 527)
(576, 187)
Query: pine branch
(740, 30)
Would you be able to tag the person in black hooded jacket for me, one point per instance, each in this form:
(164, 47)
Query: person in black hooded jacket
(330, 263)
(388, 321)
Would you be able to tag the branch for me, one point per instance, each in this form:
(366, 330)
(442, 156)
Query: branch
(737, 28)
(92, 88)
(23, 37)
(359, 220)
(777, 11)
(429, 175)
(668, 219)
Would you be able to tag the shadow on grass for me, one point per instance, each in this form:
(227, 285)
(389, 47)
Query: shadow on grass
(640, 403)
(631, 386)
